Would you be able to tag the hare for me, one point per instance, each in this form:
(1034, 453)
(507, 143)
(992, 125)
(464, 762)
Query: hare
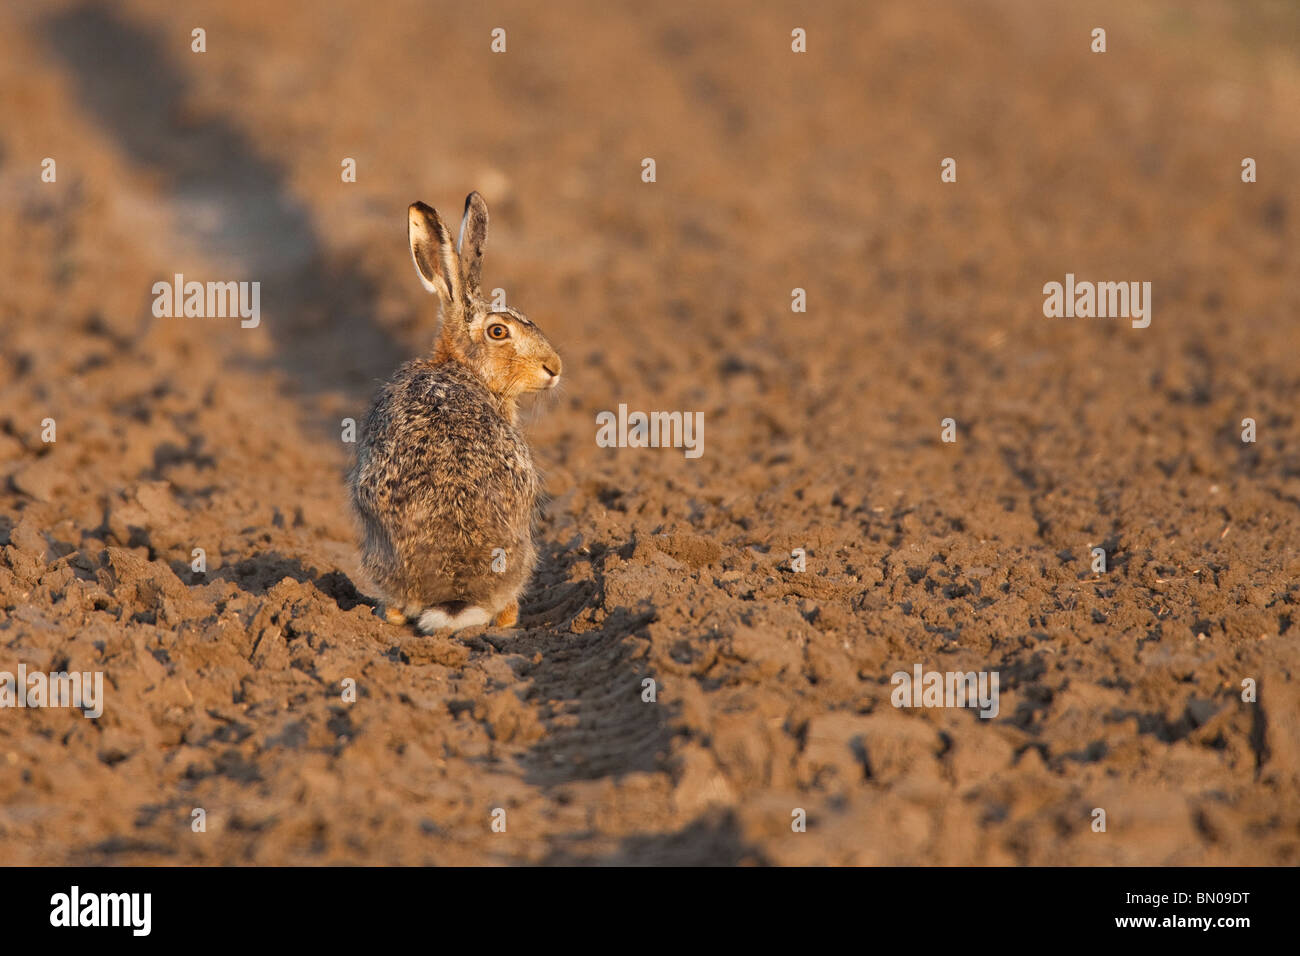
(443, 476)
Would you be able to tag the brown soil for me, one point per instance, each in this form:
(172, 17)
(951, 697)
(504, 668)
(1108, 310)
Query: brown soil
(1120, 691)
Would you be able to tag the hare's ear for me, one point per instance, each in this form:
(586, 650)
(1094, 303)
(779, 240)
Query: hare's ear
(469, 245)
(435, 258)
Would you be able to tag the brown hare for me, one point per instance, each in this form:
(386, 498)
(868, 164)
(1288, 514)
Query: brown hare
(444, 481)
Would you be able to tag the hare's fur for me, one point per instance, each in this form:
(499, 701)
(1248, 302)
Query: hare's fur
(444, 481)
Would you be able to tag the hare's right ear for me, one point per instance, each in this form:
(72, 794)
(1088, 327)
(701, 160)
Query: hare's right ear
(469, 245)
(435, 256)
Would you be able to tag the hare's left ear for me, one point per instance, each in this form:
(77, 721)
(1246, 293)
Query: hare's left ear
(473, 236)
(435, 258)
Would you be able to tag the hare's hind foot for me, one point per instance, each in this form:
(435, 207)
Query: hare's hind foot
(401, 616)
(454, 615)
(508, 616)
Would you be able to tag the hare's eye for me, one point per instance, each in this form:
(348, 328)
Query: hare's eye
(498, 332)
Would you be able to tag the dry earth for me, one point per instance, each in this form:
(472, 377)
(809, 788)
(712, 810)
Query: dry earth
(775, 170)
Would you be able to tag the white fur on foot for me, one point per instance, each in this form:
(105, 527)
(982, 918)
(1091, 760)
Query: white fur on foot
(435, 618)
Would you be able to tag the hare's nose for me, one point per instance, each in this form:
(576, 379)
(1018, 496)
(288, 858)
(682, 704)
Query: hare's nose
(552, 368)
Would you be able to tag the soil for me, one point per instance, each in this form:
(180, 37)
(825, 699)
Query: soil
(1120, 690)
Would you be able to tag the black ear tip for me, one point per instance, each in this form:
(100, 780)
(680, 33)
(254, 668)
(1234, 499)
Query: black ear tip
(420, 212)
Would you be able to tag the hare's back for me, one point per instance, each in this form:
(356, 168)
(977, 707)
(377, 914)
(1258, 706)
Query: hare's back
(435, 439)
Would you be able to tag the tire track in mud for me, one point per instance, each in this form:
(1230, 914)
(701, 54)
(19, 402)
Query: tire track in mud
(589, 696)
(587, 685)
(225, 207)
(230, 202)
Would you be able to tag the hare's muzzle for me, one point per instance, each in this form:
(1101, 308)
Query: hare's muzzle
(551, 369)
